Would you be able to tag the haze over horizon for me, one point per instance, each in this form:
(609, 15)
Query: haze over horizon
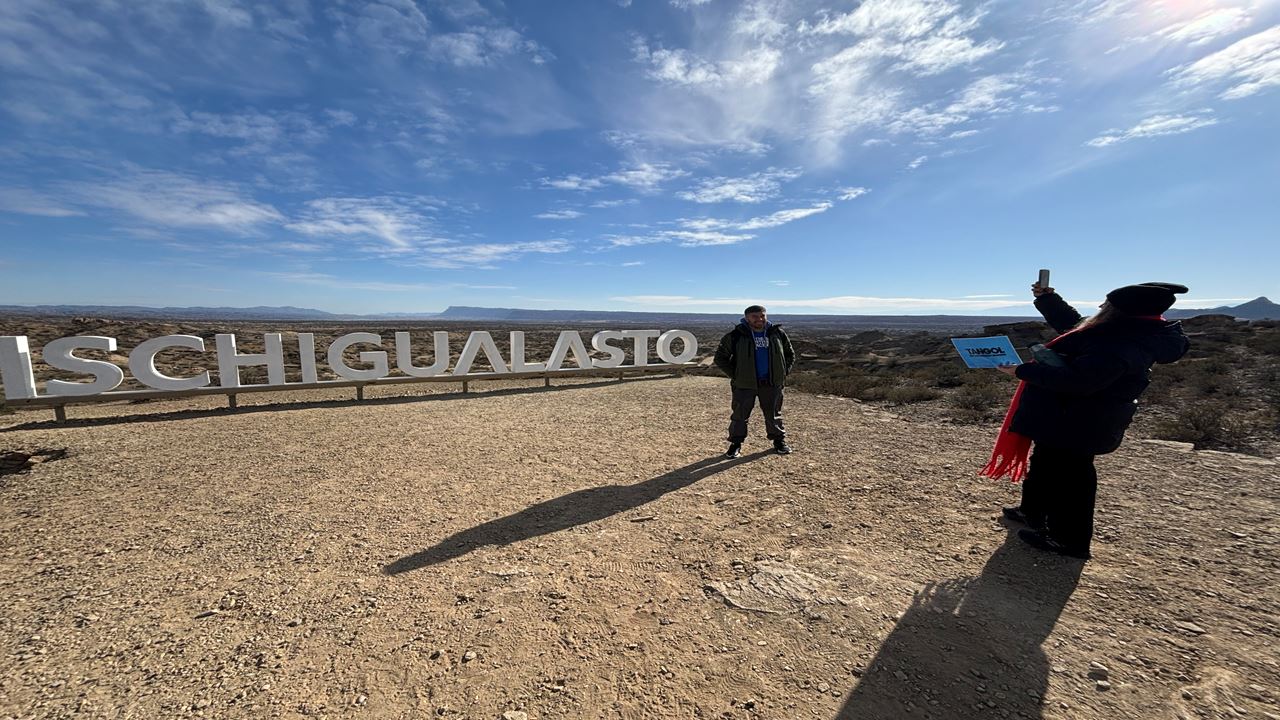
(882, 157)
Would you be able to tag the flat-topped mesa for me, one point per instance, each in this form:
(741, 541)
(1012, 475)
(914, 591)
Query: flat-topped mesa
(16, 370)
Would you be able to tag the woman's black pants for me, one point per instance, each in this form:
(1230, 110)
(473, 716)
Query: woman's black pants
(1060, 487)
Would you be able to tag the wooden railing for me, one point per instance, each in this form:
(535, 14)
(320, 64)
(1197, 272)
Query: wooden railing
(59, 403)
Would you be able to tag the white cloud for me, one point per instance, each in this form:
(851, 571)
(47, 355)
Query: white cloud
(26, 202)
(746, 68)
(1250, 66)
(640, 176)
(558, 215)
(1154, 126)
(644, 176)
(397, 223)
(1208, 26)
(780, 283)
(782, 217)
(572, 182)
(633, 263)
(701, 238)
(341, 118)
(917, 162)
(613, 203)
(753, 188)
(686, 4)
(176, 200)
(853, 193)
(488, 254)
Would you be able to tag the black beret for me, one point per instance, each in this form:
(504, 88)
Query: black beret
(1151, 298)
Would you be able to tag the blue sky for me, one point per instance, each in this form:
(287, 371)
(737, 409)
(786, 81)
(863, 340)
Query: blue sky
(887, 156)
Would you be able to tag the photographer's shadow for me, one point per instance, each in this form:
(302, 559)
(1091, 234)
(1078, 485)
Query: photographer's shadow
(970, 647)
(567, 511)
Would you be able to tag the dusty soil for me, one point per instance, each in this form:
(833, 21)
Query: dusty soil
(581, 552)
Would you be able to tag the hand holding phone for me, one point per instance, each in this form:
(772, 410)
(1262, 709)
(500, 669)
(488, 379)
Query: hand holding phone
(1042, 284)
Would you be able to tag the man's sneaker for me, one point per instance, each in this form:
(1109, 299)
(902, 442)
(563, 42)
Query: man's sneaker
(735, 450)
(781, 447)
(1041, 540)
(1016, 514)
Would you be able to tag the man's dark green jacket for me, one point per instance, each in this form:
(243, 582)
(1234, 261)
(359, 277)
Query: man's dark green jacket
(736, 356)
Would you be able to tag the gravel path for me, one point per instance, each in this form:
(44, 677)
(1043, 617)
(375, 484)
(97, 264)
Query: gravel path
(582, 552)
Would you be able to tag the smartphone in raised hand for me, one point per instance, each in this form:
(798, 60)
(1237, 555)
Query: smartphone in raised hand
(1043, 282)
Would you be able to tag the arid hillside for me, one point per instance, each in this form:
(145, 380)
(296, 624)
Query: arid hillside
(583, 552)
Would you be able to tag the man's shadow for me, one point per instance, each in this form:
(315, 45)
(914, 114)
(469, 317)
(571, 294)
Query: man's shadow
(970, 647)
(567, 511)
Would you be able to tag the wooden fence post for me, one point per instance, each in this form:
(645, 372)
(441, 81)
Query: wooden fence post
(60, 413)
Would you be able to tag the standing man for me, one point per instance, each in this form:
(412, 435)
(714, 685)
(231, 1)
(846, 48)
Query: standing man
(757, 356)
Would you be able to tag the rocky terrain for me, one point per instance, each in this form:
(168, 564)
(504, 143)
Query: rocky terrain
(583, 552)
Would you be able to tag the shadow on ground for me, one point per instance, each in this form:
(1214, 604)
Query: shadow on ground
(307, 404)
(970, 647)
(567, 511)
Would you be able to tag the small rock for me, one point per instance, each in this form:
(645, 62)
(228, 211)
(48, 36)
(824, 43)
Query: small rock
(207, 613)
(1186, 694)
(294, 622)
(1103, 685)
(515, 715)
(468, 656)
(824, 687)
(362, 699)
(1190, 627)
(900, 675)
(1098, 671)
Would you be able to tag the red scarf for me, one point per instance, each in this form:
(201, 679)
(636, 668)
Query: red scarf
(1009, 456)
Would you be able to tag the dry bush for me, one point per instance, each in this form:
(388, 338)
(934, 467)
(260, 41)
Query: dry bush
(1207, 424)
(907, 394)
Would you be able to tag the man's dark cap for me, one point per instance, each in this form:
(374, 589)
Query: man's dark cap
(1150, 298)
(753, 309)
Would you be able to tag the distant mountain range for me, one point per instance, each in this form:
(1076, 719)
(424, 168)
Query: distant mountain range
(1258, 309)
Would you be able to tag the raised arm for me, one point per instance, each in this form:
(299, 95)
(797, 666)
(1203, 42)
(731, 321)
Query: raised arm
(1060, 316)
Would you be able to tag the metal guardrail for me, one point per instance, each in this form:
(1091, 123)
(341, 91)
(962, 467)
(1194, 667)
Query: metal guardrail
(59, 403)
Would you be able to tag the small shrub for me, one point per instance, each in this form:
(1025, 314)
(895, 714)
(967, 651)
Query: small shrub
(1207, 425)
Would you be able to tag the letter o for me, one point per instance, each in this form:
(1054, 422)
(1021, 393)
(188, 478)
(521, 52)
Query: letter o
(664, 346)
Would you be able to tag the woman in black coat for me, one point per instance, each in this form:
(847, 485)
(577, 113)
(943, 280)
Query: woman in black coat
(1078, 406)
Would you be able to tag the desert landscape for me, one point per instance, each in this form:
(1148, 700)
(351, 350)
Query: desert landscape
(583, 551)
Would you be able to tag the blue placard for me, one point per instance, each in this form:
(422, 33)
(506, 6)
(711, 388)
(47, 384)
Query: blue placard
(987, 352)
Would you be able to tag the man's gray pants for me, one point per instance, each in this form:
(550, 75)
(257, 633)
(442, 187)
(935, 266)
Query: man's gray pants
(770, 399)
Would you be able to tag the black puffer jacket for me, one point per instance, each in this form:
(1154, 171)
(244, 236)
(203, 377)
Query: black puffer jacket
(1087, 405)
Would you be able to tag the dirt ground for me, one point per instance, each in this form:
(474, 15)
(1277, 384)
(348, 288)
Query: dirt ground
(583, 552)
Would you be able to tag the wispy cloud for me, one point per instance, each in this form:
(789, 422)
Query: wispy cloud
(641, 176)
(456, 255)
(853, 193)
(558, 215)
(917, 162)
(398, 223)
(754, 188)
(1154, 126)
(171, 199)
(1248, 66)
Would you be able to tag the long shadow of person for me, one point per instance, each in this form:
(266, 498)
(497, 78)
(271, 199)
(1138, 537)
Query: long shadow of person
(576, 508)
(970, 647)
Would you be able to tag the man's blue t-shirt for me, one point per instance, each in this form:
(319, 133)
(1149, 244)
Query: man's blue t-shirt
(762, 352)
